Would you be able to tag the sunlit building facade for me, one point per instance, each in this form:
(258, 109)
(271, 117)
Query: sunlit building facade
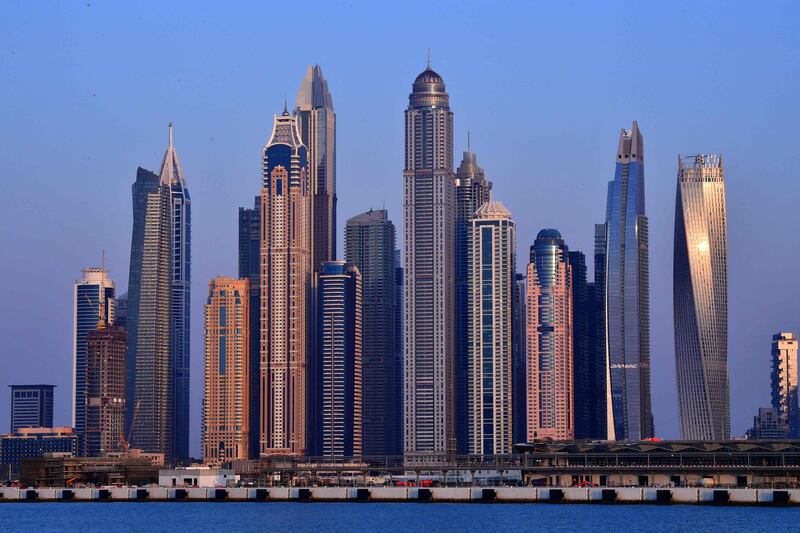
(93, 299)
(490, 332)
(700, 298)
(472, 191)
(226, 383)
(339, 345)
(627, 294)
(285, 289)
(429, 299)
(783, 381)
(550, 390)
(105, 389)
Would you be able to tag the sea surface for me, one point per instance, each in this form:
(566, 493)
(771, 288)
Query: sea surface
(382, 517)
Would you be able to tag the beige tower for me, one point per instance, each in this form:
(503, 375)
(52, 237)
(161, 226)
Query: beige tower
(285, 290)
(549, 339)
(226, 409)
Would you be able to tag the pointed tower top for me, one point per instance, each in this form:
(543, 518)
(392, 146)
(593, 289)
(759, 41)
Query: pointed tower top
(171, 171)
(429, 58)
(469, 141)
(285, 105)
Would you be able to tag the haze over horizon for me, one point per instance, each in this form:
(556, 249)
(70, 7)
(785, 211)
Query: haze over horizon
(89, 88)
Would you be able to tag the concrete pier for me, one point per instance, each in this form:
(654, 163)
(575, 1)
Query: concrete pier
(552, 495)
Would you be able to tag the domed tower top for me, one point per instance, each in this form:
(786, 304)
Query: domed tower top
(428, 89)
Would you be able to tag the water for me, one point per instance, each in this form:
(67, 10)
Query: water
(406, 517)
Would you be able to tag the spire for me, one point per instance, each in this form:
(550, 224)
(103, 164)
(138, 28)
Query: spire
(429, 59)
(171, 171)
(285, 105)
(469, 141)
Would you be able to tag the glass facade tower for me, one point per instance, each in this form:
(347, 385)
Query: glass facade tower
(700, 298)
(627, 294)
(370, 246)
(783, 381)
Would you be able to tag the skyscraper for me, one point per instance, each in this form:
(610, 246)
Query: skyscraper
(339, 387)
(317, 125)
(105, 389)
(472, 191)
(250, 269)
(370, 246)
(226, 398)
(518, 365)
(627, 294)
(181, 263)
(151, 310)
(783, 379)
(31, 406)
(584, 393)
(550, 403)
(700, 298)
(491, 291)
(285, 289)
(429, 300)
(597, 335)
(146, 183)
(93, 298)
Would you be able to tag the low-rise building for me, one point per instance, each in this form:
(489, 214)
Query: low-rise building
(197, 476)
(35, 442)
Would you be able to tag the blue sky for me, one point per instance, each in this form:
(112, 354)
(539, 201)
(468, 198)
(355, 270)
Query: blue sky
(87, 89)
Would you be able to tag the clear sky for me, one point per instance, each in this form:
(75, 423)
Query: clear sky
(87, 90)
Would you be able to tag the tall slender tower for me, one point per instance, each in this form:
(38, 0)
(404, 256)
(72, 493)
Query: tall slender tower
(370, 246)
(784, 381)
(317, 125)
(584, 393)
(491, 291)
(600, 372)
(226, 401)
(250, 269)
(551, 411)
(429, 205)
(146, 183)
(154, 364)
(700, 298)
(92, 295)
(181, 263)
(339, 389)
(627, 291)
(472, 191)
(518, 351)
(285, 289)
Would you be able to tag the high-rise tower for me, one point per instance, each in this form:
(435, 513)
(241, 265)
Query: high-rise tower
(93, 297)
(181, 263)
(627, 294)
(146, 183)
(285, 289)
(250, 269)
(491, 292)
(317, 124)
(226, 399)
(105, 389)
(472, 191)
(153, 389)
(370, 246)
(339, 387)
(550, 404)
(429, 206)
(700, 298)
(783, 380)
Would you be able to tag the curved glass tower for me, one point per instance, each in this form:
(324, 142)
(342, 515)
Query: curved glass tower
(700, 298)
(628, 295)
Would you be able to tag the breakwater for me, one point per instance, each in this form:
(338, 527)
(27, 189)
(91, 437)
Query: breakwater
(652, 495)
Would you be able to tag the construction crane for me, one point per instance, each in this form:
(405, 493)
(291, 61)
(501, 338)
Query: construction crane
(126, 442)
(101, 320)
